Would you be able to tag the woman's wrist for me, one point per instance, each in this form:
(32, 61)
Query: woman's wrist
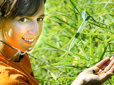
(79, 81)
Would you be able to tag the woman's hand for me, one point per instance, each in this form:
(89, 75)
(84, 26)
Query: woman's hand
(96, 74)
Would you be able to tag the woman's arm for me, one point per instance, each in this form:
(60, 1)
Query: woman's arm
(97, 74)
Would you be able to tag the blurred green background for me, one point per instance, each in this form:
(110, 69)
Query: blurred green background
(55, 65)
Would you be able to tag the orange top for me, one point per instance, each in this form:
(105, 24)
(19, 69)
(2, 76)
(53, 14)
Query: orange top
(16, 73)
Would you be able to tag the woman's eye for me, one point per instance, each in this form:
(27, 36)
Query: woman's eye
(40, 19)
(23, 20)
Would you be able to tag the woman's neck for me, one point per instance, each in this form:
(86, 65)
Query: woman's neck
(9, 53)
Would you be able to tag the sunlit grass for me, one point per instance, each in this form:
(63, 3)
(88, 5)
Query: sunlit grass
(57, 66)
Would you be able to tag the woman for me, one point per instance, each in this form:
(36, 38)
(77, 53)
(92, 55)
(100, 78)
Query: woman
(20, 27)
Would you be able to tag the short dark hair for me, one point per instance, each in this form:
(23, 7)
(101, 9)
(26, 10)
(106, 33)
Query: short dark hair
(21, 7)
(44, 1)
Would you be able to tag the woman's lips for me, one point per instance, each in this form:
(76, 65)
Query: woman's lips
(28, 40)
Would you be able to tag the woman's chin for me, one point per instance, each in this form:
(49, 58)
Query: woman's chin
(29, 49)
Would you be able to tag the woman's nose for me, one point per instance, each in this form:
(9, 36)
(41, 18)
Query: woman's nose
(33, 31)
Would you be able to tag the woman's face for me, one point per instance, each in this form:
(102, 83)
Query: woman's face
(23, 32)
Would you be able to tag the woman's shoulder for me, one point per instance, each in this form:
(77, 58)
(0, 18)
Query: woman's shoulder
(10, 76)
(10, 72)
(15, 72)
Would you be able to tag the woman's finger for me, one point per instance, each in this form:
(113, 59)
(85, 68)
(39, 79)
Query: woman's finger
(101, 63)
(109, 66)
(105, 65)
(108, 74)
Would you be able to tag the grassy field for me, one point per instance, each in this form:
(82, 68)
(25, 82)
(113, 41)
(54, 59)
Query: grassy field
(62, 55)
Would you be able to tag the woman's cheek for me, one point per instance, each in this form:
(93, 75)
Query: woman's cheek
(19, 27)
(40, 29)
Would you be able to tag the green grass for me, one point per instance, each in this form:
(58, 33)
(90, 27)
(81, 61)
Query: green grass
(57, 66)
